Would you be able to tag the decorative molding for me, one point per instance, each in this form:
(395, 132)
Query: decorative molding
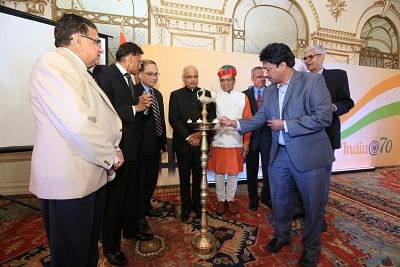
(104, 18)
(174, 35)
(338, 40)
(191, 15)
(336, 7)
(35, 7)
(314, 12)
(194, 8)
(190, 21)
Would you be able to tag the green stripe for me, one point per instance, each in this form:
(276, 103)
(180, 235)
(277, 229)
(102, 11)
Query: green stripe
(378, 114)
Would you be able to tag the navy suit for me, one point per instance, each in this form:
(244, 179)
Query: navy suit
(337, 82)
(150, 152)
(260, 144)
(305, 160)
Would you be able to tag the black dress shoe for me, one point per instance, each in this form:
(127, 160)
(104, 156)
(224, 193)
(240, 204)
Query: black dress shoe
(185, 215)
(142, 236)
(308, 259)
(253, 204)
(118, 258)
(142, 224)
(154, 213)
(275, 245)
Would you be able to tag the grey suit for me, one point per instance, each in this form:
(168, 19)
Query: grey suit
(306, 159)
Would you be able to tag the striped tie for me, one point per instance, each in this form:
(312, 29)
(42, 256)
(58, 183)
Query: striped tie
(156, 113)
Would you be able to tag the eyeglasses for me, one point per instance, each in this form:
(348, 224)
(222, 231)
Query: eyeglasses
(227, 80)
(267, 69)
(96, 41)
(151, 74)
(309, 58)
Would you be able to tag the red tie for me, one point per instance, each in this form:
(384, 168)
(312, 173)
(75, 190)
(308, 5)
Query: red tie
(259, 98)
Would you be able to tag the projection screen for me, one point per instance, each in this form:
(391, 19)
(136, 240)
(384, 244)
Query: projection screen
(24, 39)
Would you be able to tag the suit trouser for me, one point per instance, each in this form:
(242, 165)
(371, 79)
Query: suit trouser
(131, 216)
(118, 191)
(73, 229)
(252, 166)
(149, 169)
(312, 185)
(189, 164)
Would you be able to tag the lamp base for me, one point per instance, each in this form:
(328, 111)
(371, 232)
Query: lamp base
(204, 246)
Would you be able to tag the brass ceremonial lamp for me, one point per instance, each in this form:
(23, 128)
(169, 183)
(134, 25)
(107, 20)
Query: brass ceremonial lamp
(204, 244)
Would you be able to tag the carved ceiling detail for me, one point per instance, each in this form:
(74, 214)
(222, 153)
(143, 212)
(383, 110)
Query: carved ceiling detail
(338, 40)
(34, 7)
(191, 21)
(194, 8)
(314, 12)
(104, 18)
(336, 7)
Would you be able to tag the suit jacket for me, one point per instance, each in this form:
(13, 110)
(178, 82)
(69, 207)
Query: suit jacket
(338, 85)
(307, 110)
(116, 88)
(77, 129)
(184, 105)
(151, 142)
(262, 134)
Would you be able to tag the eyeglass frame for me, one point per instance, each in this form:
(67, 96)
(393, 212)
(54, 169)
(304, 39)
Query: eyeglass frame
(96, 41)
(309, 58)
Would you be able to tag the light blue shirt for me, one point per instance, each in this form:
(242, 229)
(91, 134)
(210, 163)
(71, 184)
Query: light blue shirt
(282, 88)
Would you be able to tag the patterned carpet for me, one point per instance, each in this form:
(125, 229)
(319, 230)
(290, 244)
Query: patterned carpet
(362, 214)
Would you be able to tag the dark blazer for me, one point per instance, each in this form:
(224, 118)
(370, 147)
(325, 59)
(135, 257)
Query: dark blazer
(338, 85)
(184, 105)
(307, 110)
(113, 83)
(263, 133)
(151, 143)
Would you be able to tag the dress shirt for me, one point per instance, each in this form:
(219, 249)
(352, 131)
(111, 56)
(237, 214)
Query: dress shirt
(123, 72)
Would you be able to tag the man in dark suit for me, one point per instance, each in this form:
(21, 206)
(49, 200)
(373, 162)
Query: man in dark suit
(337, 82)
(185, 108)
(260, 144)
(122, 192)
(154, 139)
(297, 108)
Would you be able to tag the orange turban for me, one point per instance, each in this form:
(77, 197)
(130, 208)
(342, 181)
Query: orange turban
(227, 70)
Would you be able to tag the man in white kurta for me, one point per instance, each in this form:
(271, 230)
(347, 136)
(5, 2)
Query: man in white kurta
(228, 147)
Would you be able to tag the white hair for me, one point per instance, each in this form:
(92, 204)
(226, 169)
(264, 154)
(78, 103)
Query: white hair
(318, 49)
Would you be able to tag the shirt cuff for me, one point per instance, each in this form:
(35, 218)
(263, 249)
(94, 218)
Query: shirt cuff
(238, 127)
(134, 110)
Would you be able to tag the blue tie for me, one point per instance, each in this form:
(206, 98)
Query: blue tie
(259, 98)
